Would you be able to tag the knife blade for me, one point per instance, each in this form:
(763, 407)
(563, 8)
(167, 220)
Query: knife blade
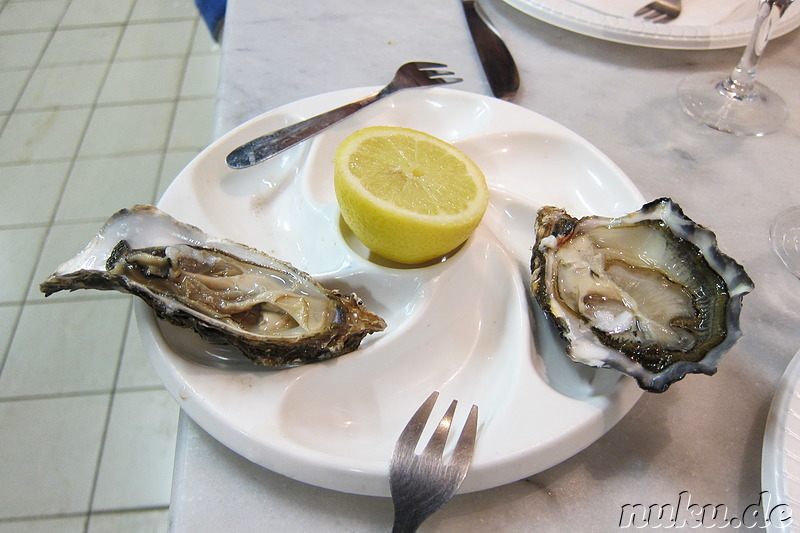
(496, 60)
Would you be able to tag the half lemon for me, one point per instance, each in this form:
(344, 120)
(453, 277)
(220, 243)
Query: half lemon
(406, 195)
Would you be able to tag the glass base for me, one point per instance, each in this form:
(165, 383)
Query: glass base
(785, 238)
(706, 98)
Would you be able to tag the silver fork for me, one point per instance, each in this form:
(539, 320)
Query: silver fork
(660, 10)
(421, 484)
(414, 74)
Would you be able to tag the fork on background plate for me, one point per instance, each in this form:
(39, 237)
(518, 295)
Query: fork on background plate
(422, 483)
(660, 11)
(410, 75)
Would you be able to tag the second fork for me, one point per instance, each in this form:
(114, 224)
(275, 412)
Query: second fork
(414, 74)
(660, 10)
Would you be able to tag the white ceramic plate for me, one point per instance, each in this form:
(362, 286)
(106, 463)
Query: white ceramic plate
(463, 326)
(780, 455)
(734, 31)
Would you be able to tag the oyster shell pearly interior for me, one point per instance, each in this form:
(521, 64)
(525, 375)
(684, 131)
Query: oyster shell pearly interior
(227, 292)
(649, 294)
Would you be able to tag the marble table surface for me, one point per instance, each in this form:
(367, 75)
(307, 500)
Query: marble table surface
(702, 437)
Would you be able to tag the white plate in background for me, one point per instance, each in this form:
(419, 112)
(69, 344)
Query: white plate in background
(780, 455)
(734, 31)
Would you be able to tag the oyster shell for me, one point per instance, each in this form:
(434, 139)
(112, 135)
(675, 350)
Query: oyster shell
(649, 294)
(227, 292)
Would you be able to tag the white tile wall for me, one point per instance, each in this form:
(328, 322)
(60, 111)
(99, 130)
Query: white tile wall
(73, 46)
(42, 135)
(102, 102)
(156, 39)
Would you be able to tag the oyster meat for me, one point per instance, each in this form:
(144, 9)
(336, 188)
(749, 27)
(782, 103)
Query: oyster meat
(649, 293)
(227, 292)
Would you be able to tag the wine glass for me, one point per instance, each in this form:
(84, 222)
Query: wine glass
(785, 238)
(736, 103)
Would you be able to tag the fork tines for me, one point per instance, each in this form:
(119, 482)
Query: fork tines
(421, 484)
(445, 77)
(427, 64)
(658, 11)
(434, 72)
(652, 15)
(413, 430)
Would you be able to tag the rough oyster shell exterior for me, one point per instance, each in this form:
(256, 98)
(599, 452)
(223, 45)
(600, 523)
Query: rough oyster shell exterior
(649, 294)
(142, 251)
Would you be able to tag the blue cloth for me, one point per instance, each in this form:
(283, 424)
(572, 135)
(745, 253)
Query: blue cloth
(213, 13)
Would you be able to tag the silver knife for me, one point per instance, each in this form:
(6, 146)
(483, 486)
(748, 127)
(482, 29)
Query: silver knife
(499, 66)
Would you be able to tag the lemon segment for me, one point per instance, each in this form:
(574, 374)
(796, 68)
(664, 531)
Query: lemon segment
(406, 195)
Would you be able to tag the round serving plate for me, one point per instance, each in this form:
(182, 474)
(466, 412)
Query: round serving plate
(464, 326)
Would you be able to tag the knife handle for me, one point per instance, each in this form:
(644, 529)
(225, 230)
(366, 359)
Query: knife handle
(497, 62)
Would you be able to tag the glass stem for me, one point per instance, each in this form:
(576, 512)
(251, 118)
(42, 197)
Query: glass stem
(740, 83)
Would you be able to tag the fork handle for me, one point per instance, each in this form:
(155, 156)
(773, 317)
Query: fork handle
(271, 144)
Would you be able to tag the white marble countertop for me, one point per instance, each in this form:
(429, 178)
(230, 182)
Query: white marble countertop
(703, 436)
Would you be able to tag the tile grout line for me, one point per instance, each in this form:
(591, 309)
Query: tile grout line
(78, 394)
(89, 511)
(35, 65)
(114, 387)
(163, 155)
(107, 422)
(110, 406)
(99, 105)
(3, 127)
(56, 516)
(177, 100)
(91, 25)
(82, 137)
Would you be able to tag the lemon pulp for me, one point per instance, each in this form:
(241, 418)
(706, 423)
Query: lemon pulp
(406, 195)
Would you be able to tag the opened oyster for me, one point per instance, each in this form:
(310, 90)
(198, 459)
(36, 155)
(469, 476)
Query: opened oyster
(227, 292)
(648, 294)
